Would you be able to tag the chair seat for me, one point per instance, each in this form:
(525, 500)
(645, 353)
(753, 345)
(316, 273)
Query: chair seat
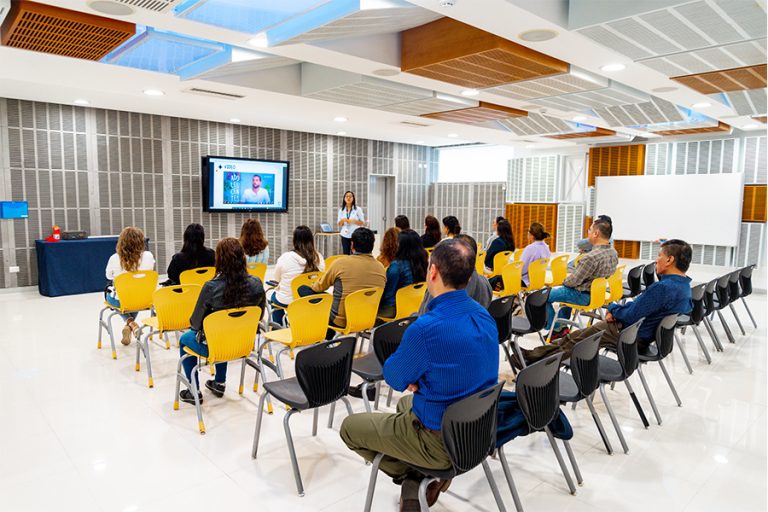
(442, 474)
(569, 392)
(289, 392)
(280, 336)
(368, 367)
(684, 320)
(649, 353)
(610, 370)
(152, 321)
(520, 325)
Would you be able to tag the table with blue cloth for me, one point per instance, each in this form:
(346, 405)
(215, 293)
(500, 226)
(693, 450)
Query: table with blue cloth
(69, 267)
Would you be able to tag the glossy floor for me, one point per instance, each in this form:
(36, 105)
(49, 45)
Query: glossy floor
(83, 432)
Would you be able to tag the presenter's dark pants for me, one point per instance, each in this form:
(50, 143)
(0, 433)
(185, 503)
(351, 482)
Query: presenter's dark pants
(346, 245)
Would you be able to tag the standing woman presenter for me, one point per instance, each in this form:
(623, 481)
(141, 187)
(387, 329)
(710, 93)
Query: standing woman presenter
(350, 218)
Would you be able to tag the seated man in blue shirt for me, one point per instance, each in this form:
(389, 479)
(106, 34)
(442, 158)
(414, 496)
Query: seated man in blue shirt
(670, 294)
(449, 353)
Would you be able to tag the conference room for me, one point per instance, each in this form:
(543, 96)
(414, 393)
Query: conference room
(378, 255)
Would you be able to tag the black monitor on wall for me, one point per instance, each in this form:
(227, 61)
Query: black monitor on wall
(244, 185)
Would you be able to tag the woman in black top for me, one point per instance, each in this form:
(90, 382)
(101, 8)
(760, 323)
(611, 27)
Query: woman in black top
(431, 235)
(504, 242)
(194, 254)
(232, 287)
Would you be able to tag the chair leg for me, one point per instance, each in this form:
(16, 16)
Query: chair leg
(599, 424)
(649, 394)
(560, 461)
(315, 414)
(257, 432)
(712, 334)
(372, 482)
(423, 506)
(685, 355)
(746, 306)
(613, 418)
(145, 348)
(389, 397)
(378, 396)
(574, 464)
(494, 487)
(738, 320)
(671, 385)
(101, 327)
(196, 395)
(727, 329)
(111, 335)
(510, 482)
(347, 405)
(701, 344)
(366, 403)
(331, 414)
(638, 407)
(292, 451)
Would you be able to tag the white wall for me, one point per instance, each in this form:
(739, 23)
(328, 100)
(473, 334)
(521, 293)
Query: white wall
(474, 164)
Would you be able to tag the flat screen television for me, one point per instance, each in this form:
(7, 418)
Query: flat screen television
(244, 185)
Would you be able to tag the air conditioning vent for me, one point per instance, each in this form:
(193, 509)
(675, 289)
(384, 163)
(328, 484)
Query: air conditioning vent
(151, 5)
(214, 94)
(414, 124)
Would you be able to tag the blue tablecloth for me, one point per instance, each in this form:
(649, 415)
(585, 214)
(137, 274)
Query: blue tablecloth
(69, 267)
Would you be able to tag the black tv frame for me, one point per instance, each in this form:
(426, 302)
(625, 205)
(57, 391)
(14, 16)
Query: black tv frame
(205, 181)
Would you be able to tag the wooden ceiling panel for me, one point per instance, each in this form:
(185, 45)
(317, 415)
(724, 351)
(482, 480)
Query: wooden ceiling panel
(49, 29)
(737, 79)
(453, 52)
(480, 114)
(597, 132)
(721, 127)
(761, 119)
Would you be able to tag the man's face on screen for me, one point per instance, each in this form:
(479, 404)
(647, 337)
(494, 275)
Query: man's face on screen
(256, 182)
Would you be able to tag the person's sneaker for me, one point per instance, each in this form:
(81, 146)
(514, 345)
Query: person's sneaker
(216, 388)
(126, 339)
(562, 333)
(357, 392)
(187, 396)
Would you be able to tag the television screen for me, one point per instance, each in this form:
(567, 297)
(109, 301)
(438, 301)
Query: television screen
(244, 185)
(14, 210)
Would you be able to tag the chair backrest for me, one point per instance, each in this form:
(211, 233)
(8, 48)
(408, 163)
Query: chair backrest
(559, 268)
(258, 270)
(324, 370)
(537, 273)
(135, 289)
(626, 349)
(745, 277)
(386, 337)
(577, 258)
(308, 318)
(480, 262)
(665, 335)
(174, 305)
(734, 290)
(697, 298)
(331, 259)
(518, 254)
(306, 278)
(536, 308)
(649, 274)
(408, 299)
(197, 275)
(615, 285)
(538, 391)
(635, 280)
(500, 260)
(585, 364)
(469, 428)
(361, 308)
(597, 293)
(709, 297)
(500, 310)
(512, 278)
(723, 292)
(231, 333)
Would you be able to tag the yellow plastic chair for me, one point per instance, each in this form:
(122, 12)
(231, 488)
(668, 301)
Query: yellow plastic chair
(230, 334)
(197, 275)
(615, 285)
(407, 301)
(134, 290)
(578, 257)
(361, 308)
(173, 307)
(430, 249)
(331, 259)
(306, 278)
(480, 262)
(500, 261)
(559, 268)
(511, 276)
(596, 301)
(537, 274)
(518, 254)
(258, 270)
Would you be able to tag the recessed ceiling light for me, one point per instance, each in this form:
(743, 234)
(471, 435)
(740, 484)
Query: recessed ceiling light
(153, 92)
(386, 72)
(259, 41)
(82, 102)
(340, 119)
(341, 133)
(750, 126)
(664, 89)
(537, 35)
(578, 119)
(470, 92)
(453, 134)
(613, 67)
(234, 120)
(110, 8)
(702, 104)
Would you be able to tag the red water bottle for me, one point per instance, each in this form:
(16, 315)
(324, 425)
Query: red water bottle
(55, 236)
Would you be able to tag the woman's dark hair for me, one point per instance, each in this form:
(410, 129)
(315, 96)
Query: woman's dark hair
(252, 237)
(304, 246)
(537, 231)
(388, 249)
(410, 249)
(452, 223)
(402, 222)
(504, 230)
(432, 228)
(230, 266)
(194, 243)
(498, 219)
(344, 203)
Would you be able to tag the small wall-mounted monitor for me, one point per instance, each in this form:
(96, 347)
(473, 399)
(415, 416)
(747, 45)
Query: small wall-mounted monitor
(244, 185)
(14, 210)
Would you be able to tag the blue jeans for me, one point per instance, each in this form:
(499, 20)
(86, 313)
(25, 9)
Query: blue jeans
(115, 303)
(277, 314)
(564, 294)
(189, 339)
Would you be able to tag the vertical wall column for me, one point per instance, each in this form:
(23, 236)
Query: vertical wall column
(165, 130)
(7, 231)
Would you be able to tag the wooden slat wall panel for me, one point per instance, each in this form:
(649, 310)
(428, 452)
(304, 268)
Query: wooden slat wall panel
(754, 209)
(587, 223)
(521, 215)
(627, 248)
(616, 161)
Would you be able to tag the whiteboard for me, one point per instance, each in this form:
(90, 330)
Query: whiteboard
(698, 208)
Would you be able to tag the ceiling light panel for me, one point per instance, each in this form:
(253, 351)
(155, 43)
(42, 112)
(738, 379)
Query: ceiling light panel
(535, 124)
(247, 16)
(650, 112)
(614, 94)
(150, 5)
(748, 53)
(243, 62)
(576, 80)
(436, 102)
(358, 18)
(745, 103)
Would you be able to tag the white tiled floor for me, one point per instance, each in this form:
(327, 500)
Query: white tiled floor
(83, 432)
